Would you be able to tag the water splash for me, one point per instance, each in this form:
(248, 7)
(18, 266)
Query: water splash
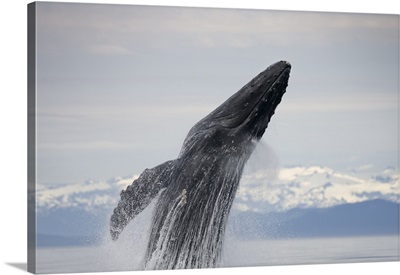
(265, 162)
(129, 252)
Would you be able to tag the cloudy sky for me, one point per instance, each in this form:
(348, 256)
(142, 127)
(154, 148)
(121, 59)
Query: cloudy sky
(120, 86)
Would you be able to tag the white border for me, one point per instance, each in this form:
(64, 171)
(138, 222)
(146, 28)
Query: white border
(13, 128)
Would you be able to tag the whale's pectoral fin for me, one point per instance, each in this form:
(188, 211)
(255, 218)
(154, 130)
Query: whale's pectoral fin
(138, 196)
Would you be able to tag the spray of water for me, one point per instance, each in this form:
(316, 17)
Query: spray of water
(263, 160)
(128, 253)
(262, 167)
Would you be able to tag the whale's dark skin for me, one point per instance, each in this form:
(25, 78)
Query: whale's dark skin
(197, 189)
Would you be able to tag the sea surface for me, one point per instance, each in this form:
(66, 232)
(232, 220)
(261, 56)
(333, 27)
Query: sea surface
(128, 255)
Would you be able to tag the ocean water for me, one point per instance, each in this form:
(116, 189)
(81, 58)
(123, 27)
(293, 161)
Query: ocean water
(127, 255)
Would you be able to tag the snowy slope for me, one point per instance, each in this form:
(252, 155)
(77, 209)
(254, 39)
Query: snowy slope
(295, 187)
(288, 197)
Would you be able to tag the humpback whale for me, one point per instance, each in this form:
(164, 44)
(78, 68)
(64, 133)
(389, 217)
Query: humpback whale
(195, 191)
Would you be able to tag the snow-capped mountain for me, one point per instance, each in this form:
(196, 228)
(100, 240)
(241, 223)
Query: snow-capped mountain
(297, 197)
(91, 195)
(313, 187)
(259, 191)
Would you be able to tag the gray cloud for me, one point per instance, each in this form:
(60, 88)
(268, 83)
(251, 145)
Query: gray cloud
(114, 76)
(128, 28)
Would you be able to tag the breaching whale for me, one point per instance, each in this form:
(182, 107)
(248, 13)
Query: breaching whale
(195, 191)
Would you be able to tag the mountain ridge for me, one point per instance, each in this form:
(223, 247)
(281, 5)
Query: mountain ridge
(375, 217)
(268, 204)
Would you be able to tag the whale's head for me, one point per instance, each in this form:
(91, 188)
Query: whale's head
(251, 108)
(246, 114)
